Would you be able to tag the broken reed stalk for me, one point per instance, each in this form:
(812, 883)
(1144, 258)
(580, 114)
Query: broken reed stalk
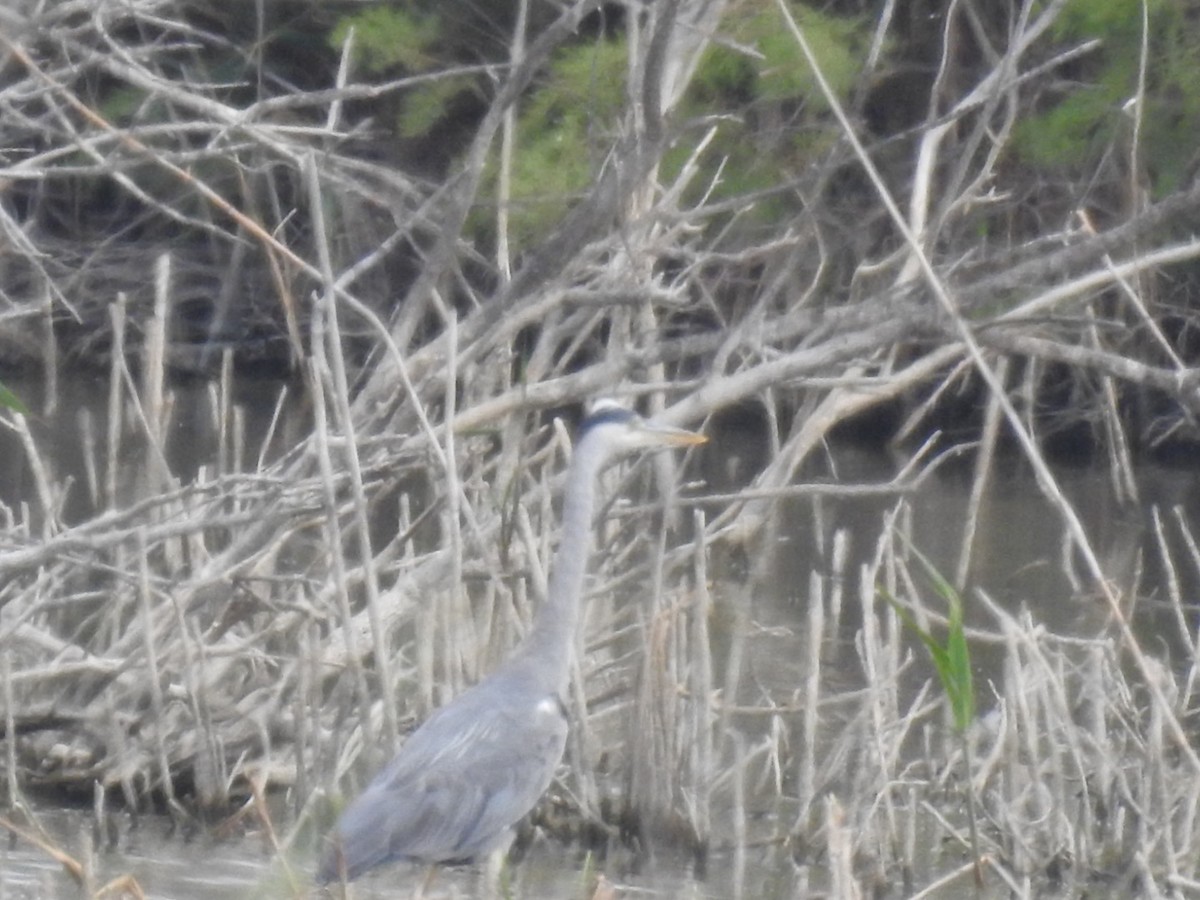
(91, 468)
(839, 846)
(154, 352)
(653, 723)
(13, 798)
(1171, 578)
(115, 418)
(810, 718)
(740, 829)
(304, 705)
(340, 394)
(268, 441)
(454, 620)
(984, 467)
(1191, 638)
(153, 673)
(838, 576)
(700, 683)
(881, 671)
(425, 627)
(317, 380)
(1116, 442)
(222, 411)
(152, 400)
(49, 353)
(41, 477)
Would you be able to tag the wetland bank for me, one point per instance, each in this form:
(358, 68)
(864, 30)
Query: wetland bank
(302, 305)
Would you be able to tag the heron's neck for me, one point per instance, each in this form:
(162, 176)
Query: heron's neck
(547, 649)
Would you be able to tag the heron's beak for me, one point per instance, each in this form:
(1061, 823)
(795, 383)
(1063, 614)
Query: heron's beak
(666, 436)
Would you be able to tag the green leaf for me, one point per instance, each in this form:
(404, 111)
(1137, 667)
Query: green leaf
(777, 70)
(564, 130)
(1085, 118)
(120, 104)
(11, 401)
(386, 38)
(427, 104)
(951, 660)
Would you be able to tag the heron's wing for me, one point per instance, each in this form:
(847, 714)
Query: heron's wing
(458, 784)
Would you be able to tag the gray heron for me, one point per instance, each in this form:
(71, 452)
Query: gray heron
(480, 763)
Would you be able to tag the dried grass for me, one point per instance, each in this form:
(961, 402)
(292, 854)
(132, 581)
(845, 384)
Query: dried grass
(280, 619)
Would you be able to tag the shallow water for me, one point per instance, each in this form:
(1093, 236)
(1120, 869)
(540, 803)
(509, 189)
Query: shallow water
(165, 865)
(169, 867)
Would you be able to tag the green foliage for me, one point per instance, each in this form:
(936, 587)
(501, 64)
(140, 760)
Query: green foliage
(952, 660)
(567, 121)
(387, 40)
(9, 400)
(585, 82)
(120, 104)
(781, 72)
(1083, 124)
(562, 129)
(387, 37)
(426, 105)
(758, 73)
(1116, 19)
(1069, 132)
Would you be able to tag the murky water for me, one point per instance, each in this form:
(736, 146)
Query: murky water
(164, 865)
(170, 867)
(1018, 559)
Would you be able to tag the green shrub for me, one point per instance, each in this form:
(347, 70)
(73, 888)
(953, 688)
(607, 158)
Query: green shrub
(1077, 127)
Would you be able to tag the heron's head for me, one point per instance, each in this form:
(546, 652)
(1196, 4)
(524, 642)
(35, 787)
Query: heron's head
(622, 430)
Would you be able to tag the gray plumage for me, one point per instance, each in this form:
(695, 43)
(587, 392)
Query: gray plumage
(479, 764)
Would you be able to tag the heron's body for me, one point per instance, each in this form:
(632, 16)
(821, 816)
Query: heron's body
(448, 796)
(479, 764)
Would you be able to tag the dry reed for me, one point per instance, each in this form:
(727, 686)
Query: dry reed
(281, 617)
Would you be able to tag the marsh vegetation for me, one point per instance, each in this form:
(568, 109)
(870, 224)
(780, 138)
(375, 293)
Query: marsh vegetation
(301, 300)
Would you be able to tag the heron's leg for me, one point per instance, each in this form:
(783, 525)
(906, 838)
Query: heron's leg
(426, 882)
(493, 873)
